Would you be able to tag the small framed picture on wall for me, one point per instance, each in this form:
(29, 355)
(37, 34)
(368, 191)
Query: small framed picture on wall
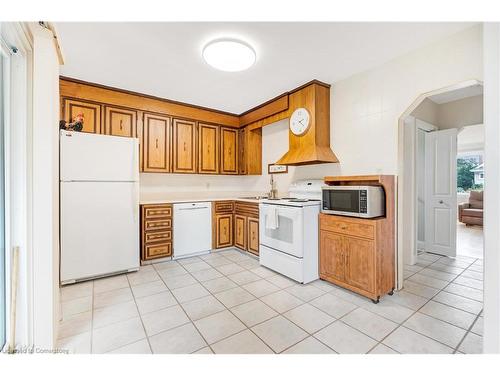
(275, 168)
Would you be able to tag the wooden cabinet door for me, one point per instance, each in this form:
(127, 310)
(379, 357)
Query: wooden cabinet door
(91, 114)
(331, 255)
(360, 263)
(224, 230)
(156, 148)
(253, 235)
(208, 148)
(240, 231)
(242, 152)
(121, 122)
(184, 138)
(229, 151)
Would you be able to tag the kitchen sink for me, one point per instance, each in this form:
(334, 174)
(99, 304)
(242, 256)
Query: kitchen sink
(257, 197)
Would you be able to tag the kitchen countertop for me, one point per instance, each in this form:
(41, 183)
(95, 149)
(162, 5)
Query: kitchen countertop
(162, 198)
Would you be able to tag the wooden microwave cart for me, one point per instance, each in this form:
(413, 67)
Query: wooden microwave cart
(359, 254)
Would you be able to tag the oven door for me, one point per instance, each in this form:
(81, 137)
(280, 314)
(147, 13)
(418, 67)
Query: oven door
(288, 236)
(341, 201)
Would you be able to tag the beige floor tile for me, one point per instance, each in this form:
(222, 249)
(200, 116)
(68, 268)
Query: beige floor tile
(198, 266)
(110, 283)
(138, 347)
(78, 344)
(245, 342)
(382, 349)
(205, 350)
(349, 296)
(179, 281)
(305, 292)
(216, 262)
(166, 265)
(333, 305)
(114, 314)
(219, 285)
(172, 271)
(410, 300)
(428, 281)
(407, 341)
(202, 307)
(155, 302)
(344, 339)
(112, 297)
(233, 297)
(263, 272)
(244, 277)
(436, 329)
(189, 293)
(77, 290)
(163, 320)
(323, 285)
(464, 291)
(117, 335)
(261, 288)
(219, 326)
(437, 274)
(229, 269)
(281, 281)
(446, 268)
(473, 275)
(476, 268)
(449, 314)
(472, 344)
(279, 333)
(253, 312)
(281, 301)
(471, 283)
(459, 302)
(309, 318)
(389, 310)
(148, 289)
(143, 276)
(419, 289)
(75, 324)
(369, 323)
(249, 264)
(207, 274)
(455, 262)
(478, 326)
(310, 345)
(181, 340)
(76, 306)
(189, 260)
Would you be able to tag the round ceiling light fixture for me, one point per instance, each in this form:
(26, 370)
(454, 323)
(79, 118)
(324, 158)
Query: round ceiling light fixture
(229, 55)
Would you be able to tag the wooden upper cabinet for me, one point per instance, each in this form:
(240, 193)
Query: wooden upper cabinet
(91, 114)
(229, 151)
(184, 142)
(120, 121)
(156, 140)
(242, 167)
(360, 263)
(331, 262)
(208, 148)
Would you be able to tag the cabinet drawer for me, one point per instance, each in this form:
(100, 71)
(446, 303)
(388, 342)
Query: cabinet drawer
(158, 250)
(158, 224)
(224, 206)
(155, 212)
(351, 228)
(157, 236)
(248, 209)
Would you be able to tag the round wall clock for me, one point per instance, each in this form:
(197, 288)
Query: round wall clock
(299, 121)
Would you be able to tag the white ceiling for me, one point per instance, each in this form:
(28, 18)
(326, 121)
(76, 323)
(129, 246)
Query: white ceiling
(164, 59)
(462, 93)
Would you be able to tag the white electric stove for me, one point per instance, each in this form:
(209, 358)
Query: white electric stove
(289, 231)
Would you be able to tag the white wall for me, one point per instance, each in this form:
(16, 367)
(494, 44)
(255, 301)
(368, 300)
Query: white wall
(491, 193)
(462, 112)
(365, 109)
(471, 138)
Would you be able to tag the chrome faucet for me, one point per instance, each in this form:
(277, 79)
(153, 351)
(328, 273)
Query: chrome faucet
(273, 193)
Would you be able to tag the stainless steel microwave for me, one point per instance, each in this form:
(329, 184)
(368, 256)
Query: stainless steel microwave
(357, 201)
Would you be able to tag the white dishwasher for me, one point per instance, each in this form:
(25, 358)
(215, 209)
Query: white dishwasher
(192, 229)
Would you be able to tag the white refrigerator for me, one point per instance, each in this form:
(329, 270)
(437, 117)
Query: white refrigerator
(99, 192)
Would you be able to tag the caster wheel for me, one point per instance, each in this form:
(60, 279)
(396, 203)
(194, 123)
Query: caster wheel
(375, 301)
(391, 292)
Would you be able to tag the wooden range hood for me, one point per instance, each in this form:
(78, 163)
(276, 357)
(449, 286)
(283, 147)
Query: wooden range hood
(313, 147)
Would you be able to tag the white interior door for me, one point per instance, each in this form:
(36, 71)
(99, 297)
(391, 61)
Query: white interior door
(441, 192)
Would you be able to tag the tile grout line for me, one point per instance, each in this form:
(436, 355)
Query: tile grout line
(467, 332)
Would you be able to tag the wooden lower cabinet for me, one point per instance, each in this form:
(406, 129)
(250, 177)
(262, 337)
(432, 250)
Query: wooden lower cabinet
(224, 230)
(253, 235)
(246, 222)
(156, 231)
(240, 231)
(353, 256)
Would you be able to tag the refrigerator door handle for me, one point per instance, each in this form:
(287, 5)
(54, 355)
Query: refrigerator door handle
(135, 201)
